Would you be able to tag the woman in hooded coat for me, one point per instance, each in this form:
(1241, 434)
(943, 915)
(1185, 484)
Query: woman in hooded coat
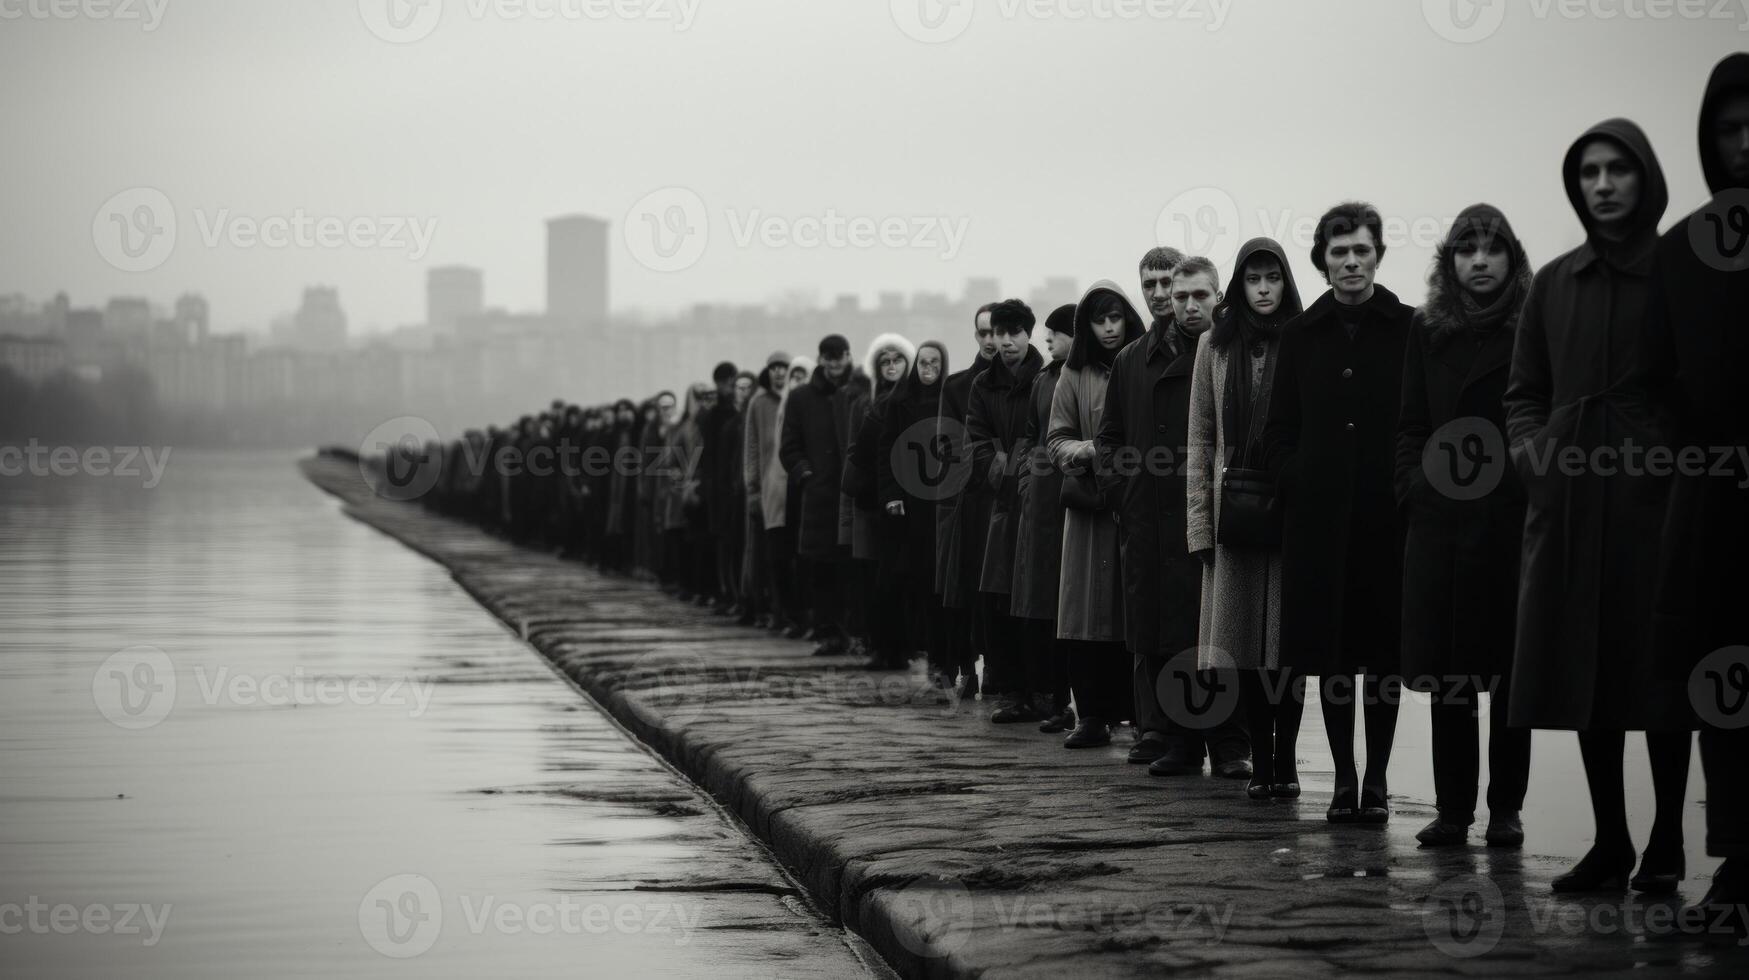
(1090, 594)
(781, 511)
(909, 555)
(1464, 537)
(1585, 657)
(888, 362)
(1241, 585)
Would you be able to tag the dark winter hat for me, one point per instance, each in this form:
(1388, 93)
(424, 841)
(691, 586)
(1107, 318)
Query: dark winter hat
(724, 372)
(834, 345)
(777, 357)
(1062, 320)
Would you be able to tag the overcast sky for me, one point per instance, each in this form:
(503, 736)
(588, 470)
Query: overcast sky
(1020, 143)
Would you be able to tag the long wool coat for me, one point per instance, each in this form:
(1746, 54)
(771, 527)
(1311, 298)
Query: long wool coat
(995, 426)
(963, 519)
(1585, 654)
(1331, 441)
(1241, 590)
(759, 450)
(1038, 540)
(815, 439)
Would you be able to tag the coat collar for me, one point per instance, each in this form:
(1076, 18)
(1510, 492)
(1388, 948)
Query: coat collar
(1378, 309)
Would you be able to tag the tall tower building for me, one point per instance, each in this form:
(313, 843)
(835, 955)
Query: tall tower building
(320, 323)
(577, 270)
(453, 292)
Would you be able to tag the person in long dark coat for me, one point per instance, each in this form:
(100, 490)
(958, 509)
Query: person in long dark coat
(1240, 623)
(717, 479)
(782, 511)
(1038, 538)
(621, 488)
(1331, 442)
(812, 447)
(1090, 594)
(962, 521)
(1465, 521)
(1585, 657)
(905, 484)
(1696, 352)
(995, 424)
(649, 554)
(1142, 442)
(887, 362)
(731, 523)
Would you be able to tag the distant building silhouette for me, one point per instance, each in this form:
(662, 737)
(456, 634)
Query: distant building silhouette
(319, 325)
(577, 270)
(453, 292)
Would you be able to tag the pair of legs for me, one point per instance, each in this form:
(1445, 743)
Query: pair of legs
(1047, 669)
(1099, 678)
(1380, 697)
(1612, 848)
(1457, 757)
(1274, 702)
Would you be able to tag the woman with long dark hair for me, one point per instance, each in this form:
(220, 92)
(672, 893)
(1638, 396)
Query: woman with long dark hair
(908, 537)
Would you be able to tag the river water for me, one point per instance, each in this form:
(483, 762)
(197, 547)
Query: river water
(244, 735)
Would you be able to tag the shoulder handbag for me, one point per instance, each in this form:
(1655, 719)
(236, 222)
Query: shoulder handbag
(1250, 507)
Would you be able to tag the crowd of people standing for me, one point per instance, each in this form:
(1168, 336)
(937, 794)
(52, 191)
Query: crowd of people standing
(1116, 511)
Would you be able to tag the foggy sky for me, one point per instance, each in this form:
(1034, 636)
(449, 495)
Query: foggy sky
(1056, 142)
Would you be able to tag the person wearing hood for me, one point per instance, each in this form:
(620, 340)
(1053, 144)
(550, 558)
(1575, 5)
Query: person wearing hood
(1463, 537)
(905, 480)
(686, 524)
(1696, 353)
(1090, 596)
(887, 363)
(781, 511)
(758, 449)
(812, 446)
(962, 521)
(1038, 537)
(1230, 389)
(1585, 658)
(1142, 442)
(995, 425)
(1330, 442)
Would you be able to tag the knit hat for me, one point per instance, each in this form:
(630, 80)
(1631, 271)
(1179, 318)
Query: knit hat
(1062, 320)
(834, 345)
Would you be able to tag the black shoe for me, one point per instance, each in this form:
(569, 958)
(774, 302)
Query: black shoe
(1151, 746)
(1061, 721)
(1284, 791)
(1233, 769)
(1177, 761)
(1375, 806)
(1344, 805)
(1658, 875)
(795, 631)
(1090, 734)
(1504, 830)
(1444, 832)
(1597, 872)
(1013, 713)
(1258, 788)
(1721, 913)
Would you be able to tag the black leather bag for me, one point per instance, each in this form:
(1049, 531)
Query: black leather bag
(1250, 509)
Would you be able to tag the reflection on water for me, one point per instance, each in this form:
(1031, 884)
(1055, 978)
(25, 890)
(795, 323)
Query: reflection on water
(284, 745)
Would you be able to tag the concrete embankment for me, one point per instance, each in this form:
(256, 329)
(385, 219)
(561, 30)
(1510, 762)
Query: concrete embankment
(958, 848)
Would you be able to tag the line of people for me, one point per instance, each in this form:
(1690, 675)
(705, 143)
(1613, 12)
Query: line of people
(1238, 492)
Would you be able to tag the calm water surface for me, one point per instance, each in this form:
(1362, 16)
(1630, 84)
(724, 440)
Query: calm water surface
(270, 741)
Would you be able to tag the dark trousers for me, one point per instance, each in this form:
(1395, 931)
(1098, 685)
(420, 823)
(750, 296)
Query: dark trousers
(1724, 759)
(855, 588)
(1047, 665)
(672, 570)
(1457, 758)
(780, 564)
(1222, 739)
(1099, 677)
(728, 561)
(1004, 660)
(824, 576)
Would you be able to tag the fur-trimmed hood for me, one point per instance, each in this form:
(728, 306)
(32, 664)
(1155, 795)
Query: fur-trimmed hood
(881, 344)
(1442, 315)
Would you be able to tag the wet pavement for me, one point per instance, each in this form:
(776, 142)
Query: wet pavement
(958, 848)
(244, 736)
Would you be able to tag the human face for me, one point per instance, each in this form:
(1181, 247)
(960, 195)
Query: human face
(892, 366)
(779, 376)
(1108, 329)
(928, 365)
(1731, 136)
(985, 335)
(798, 376)
(743, 391)
(838, 367)
(1351, 261)
(1157, 292)
(665, 408)
(1058, 344)
(1609, 181)
(1194, 299)
(626, 416)
(1011, 347)
(1263, 285)
(1481, 264)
